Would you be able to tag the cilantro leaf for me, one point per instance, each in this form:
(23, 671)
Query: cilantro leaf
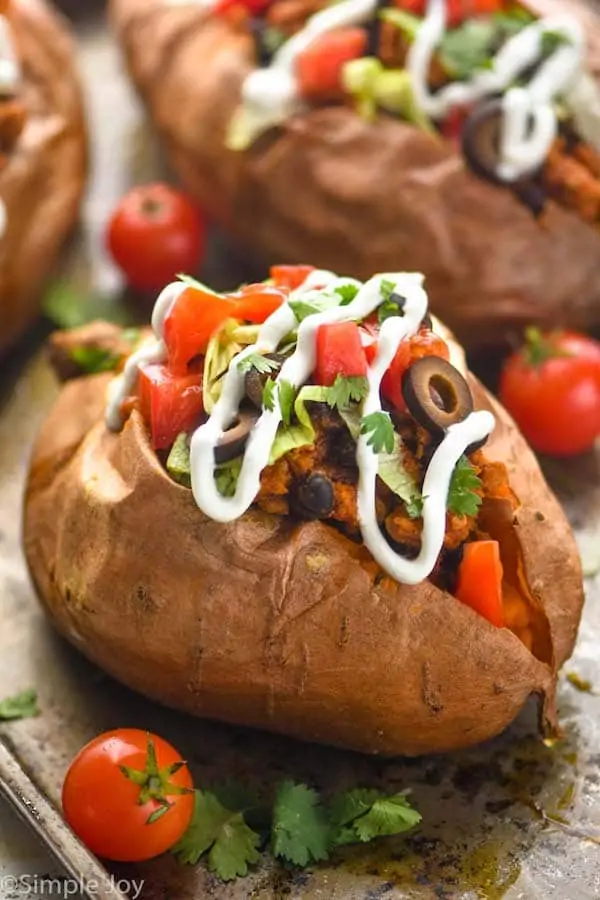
(230, 843)
(20, 706)
(226, 476)
(68, 307)
(392, 306)
(378, 427)
(300, 830)
(346, 390)
(345, 808)
(93, 360)
(509, 22)
(257, 361)
(414, 506)
(386, 288)
(388, 815)
(469, 47)
(268, 397)
(347, 292)
(552, 40)
(462, 499)
(312, 304)
(287, 395)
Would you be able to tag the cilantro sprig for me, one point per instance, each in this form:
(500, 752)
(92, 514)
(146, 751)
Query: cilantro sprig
(462, 499)
(23, 705)
(346, 390)
(229, 827)
(379, 430)
(262, 364)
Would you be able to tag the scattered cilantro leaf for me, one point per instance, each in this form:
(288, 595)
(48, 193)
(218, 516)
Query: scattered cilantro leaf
(226, 476)
(68, 307)
(510, 21)
(552, 40)
(231, 845)
(268, 397)
(300, 830)
(393, 306)
(414, 506)
(386, 288)
(462, 499)
(469, 47)
(346, 390)
(257, 361)
(20, 706)
(388, 815)
(287, 395)
(178, 460)
(378, 427)
(311, 304)
(93, 360)
(347, 292)
(345, 808)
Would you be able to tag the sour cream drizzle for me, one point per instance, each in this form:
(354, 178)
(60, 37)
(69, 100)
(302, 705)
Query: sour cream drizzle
(296, 370)
(270, 95)
(529, 123)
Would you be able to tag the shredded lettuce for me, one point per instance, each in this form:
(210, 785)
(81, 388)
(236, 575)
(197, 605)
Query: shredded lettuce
(222, 347)
(302, 432)
(178, 461)
(393, 473)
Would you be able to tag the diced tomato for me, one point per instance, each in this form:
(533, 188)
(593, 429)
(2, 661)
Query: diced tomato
(416, 7)
(339, 352)
(290, 276)
(369, 332)
(319, 67)
(256, 302)
(452, 125)
(480, 580)
(425, 343)
(195, 316)
(169, 403)
(254, 7)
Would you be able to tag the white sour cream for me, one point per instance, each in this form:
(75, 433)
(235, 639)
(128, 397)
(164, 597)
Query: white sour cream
(296, 370)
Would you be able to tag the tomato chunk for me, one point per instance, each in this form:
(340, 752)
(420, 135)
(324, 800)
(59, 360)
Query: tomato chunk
(254, 7)
(480, 580)
(195, 316)
(425, 343)
(290, 276)
(339, 352)
(319, 67)
(256, 302)
(169, 403)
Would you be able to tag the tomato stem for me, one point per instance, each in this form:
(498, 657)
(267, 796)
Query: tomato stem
(155, 783)
(539, 347)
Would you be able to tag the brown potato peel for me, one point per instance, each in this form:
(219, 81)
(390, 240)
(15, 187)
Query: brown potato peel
(373, 197)
(42, 182)
(280, 624)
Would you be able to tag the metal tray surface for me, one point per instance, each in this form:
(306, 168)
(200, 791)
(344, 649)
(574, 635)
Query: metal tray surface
(514, 818)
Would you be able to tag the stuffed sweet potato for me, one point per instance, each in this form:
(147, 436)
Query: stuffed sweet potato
(42, 155)
(343, 180)
(315, 525)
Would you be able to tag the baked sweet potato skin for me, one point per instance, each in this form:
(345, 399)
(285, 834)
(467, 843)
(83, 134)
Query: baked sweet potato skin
(42, 183)
(373, 197)
(273, 623)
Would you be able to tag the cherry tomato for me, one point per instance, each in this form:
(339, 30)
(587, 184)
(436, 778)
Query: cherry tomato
(551, 387)
(290, 276)
(169, 403)
(118, 812)
(425, 343)
(154, 234)
(193, 319)
(319, 67)
(480, 580)
(339, 352)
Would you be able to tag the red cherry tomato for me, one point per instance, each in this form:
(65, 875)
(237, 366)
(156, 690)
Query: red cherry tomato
(113, 815)
(290, 276)
(425, 343)
(154, 234)
(551, 387)
(194, 318)
(319, 67)
(480, 580)
(339, 352)
(169, 403)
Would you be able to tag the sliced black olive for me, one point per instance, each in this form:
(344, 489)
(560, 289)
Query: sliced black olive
(481, 139)
(436, 394)
(533, 195)
(255, 381)
(233, 441)
(314, 496)
(476, 445)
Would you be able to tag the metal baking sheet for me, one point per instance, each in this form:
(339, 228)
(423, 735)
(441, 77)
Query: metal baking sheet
(513, 818)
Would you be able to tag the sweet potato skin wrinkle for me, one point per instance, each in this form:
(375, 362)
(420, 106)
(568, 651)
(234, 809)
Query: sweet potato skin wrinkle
(275, 623)
(374, 196)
